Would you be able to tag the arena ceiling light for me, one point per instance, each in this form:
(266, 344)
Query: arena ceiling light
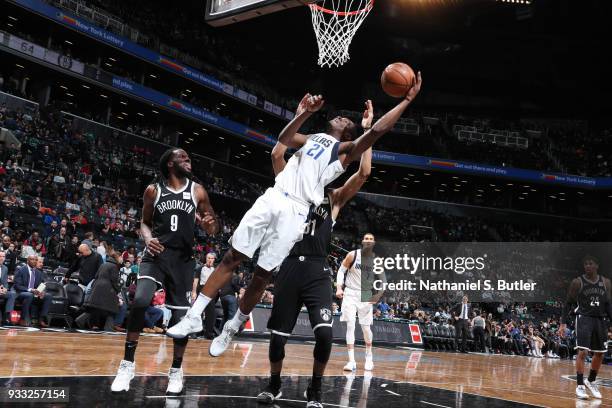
(154, 111)
(534, 190)
(104, 96)
(427, 174)
(12, 18)
(196, 133)
(581, 192)
(152, 76)
(68, 42)
(521, 198)
(69, 94)
(112, 59)
(123, 113)
(123, 103)
(19, 66)
(221, 137)
(382, 171)
(107, 64)
(509, 184)
(62, 86)
(85, 86)
(9, 24)
(140, 114)
(204, 129)
(552, 196)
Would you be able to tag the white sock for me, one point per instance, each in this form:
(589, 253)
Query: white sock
(238, 319)
(198, 306)
(368, 353)
(351, 354)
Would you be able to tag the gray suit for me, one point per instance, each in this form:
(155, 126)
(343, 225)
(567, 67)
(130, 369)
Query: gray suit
(7, 298)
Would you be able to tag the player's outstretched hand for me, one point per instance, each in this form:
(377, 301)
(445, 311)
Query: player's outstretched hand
(155, 247)
(368, 115)
(208, 223)
(414, 91)
(314, 103)
(303, 105)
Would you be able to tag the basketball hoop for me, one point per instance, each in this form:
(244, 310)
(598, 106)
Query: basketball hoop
(335, 23)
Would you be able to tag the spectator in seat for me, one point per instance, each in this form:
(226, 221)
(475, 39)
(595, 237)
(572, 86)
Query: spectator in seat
(6, 228)
(6, 296)
(102, 305)
(87, 264)
(27, 280)
(154, 312)
(36, 242)
(10, 253)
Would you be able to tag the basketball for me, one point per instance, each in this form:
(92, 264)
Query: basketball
(397, 79)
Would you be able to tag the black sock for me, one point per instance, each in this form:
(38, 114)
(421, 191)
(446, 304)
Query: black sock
(315, 383)
(130, 350)
(580, 379)
(275, 381)
(177, 362)
(592, 375)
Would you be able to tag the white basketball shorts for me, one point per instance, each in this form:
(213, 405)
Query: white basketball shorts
(352, 306)
(274, 224)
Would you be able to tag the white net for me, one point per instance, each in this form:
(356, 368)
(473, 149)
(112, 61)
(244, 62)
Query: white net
(335, 23)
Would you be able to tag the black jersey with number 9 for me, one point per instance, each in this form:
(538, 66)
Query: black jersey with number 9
(174, 216)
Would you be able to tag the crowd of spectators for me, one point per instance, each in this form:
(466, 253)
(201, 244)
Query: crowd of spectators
(570, 147)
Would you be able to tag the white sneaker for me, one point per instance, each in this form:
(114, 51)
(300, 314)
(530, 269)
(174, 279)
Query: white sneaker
(350, 366)
(593, 387)
(125, 373)
(581, 392)
(222, 341)
(369, 364)
(185, 327)
(175, 381)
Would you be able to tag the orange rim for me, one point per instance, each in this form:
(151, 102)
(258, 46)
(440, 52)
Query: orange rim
(368, 7)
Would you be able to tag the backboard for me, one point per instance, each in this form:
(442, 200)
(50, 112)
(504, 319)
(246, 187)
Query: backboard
(224, 12)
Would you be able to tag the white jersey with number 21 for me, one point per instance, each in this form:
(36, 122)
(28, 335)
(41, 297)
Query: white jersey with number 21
(311, 168)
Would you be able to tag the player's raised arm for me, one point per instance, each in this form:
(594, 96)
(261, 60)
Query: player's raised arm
(289, 136)
(207, 218)
(352, 150)
(572, 296)
(153, 244)
(342, 195)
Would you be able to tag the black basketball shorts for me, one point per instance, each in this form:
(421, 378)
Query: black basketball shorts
(592, 333)
(301, 281)
(174, 271)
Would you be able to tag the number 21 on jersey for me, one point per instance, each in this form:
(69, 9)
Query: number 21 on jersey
(315, 151)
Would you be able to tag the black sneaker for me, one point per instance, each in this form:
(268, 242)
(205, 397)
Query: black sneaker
(269, 395)
(313, 397)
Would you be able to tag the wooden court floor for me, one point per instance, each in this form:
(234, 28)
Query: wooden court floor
(55, 356)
